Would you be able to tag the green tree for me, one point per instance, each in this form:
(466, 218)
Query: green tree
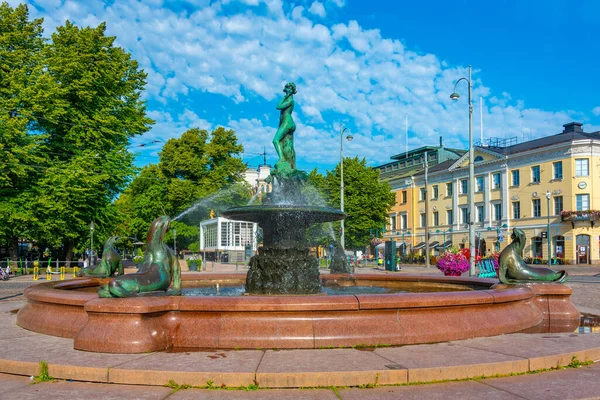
(366, 200)
(21, 158)
(199, 170)
(90, 107)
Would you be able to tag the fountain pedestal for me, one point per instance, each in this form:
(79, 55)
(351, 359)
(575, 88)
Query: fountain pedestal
(283, 265)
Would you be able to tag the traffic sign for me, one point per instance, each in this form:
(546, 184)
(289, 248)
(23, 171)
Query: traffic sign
(501, 239)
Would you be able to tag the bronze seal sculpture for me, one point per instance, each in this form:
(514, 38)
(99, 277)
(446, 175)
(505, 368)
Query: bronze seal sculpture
(513, 270)
(109, 264)
(159, 269)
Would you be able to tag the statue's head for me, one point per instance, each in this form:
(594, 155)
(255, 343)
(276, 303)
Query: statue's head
(290, 88)
(158, 228)
(518, 235)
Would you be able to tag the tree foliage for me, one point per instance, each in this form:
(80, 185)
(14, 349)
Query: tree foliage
(366, 199)
(68, 110)
(201, 170)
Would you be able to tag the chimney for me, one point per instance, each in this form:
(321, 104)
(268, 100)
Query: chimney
(572, 127)
(441, 144)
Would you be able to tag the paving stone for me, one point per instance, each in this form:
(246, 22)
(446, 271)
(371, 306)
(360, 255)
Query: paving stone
(272, 394)
(580, 383)
(442, 391)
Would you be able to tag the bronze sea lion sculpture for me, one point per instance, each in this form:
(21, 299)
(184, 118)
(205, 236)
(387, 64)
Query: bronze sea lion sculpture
(109, 264)
(513, 270)
(159, 269)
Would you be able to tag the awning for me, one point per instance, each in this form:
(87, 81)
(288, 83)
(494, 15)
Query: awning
(380, 246)
(419, 246)
(433, 244)
(445, 245)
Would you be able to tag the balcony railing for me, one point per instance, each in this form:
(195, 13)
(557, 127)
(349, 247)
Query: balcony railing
(586, 215)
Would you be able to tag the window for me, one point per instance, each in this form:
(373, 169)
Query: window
(516, 178)
(557, 167)
(480, 184)
(535, 174)
(436, 218)
(449, 189)
(583, 202)
(403, 221)
(537, 208)
(497, 211)
(422, 194)
(582, 167)
(558, 205)
(449, 217)
(496, 181)
(480, 214)
(392, 223)
(516, 209)
(464, 188)
(478, 159)
(435, 192)
(423, 220)
(464, 215)
(404, 197)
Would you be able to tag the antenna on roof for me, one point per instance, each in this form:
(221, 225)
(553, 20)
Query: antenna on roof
(406, 135)
(481, 119)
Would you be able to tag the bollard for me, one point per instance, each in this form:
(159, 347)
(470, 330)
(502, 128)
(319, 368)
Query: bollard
(36, 273)
(75, 271)
(48, 274)
(62, 273)
(20, 266)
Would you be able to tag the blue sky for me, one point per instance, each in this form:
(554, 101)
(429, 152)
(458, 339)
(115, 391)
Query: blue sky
(366, 64)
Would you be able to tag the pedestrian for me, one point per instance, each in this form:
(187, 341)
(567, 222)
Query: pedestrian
(80, 262)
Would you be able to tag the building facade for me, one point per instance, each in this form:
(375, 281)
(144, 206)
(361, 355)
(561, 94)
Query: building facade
(226, 240)
(548, 187)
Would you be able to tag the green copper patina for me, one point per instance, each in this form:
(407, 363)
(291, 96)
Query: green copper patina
(109, 264)
(513, 270)
(159, 269)
(285, 168)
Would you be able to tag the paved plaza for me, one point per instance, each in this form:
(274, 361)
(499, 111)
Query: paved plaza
(147, 374)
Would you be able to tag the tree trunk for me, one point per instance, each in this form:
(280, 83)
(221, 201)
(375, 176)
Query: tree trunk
(68, 253)
(13, 248)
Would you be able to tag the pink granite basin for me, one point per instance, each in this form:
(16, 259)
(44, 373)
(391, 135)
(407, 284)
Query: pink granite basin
(469, 307)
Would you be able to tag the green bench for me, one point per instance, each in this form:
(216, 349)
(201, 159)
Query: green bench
(486, 269)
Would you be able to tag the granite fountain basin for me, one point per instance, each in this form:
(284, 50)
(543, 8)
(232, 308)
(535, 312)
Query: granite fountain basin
(467, 308)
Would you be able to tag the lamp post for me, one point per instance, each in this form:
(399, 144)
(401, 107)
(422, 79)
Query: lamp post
(444, 232)
(404, 231)
(91, 241)
(455, 96)
(498, 233)
(349, 137)
(549, 237)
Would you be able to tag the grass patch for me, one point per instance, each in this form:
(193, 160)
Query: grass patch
(176, 386)
(43, 376)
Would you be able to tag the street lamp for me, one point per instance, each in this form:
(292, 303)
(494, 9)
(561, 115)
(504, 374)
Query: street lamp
(455, 96)
(498, 234)
(444, 232)
(349, 137)
(549, 238)
(407, 232)
(91, 241)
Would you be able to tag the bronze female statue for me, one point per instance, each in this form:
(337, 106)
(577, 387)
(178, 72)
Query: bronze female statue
(284, 138)
(512, 269)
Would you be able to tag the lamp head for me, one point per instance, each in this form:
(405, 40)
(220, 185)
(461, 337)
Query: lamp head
(548, 194)
(349, 137)
(450, 230)
(454, 96)
(437, 231)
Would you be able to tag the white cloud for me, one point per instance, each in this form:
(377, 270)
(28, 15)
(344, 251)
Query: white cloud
(317, 8)
(344, 72)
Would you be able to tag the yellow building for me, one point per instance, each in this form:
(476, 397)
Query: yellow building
(550, 182)
(400, 175)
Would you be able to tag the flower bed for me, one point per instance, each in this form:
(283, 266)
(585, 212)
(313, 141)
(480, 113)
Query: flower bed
(584, 215)
(454, 262)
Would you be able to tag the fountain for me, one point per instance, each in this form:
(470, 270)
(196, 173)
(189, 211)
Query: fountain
(286, 307)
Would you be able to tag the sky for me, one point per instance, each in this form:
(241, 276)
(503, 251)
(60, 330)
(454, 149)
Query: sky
(369, 65)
